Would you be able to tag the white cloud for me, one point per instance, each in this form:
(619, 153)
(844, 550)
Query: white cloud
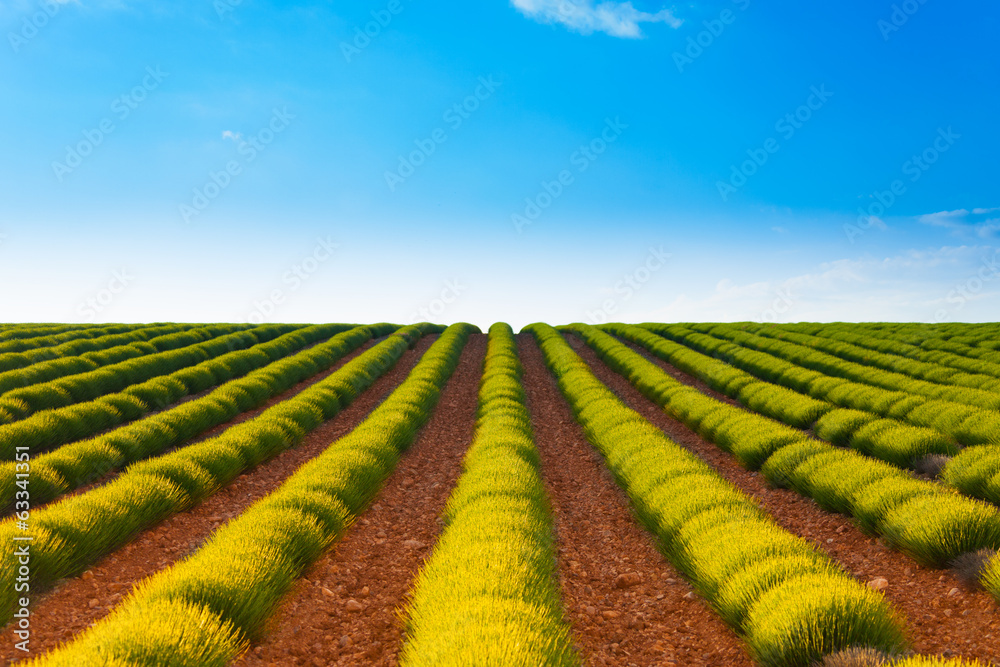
(988, 229)
(944, 218)
(947, 284)
(235, 136)
(618, 19)
(964, 223)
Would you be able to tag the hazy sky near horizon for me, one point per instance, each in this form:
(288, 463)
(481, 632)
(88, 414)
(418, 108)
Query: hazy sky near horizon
(518, 160)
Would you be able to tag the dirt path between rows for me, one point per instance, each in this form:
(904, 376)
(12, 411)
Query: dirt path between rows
(345, 611)
(109, 476)
(681, 376)
(943, 617)
(657, 621)
(217, 430)
(77, 603)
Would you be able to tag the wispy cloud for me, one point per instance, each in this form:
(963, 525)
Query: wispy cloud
(982, 223)
(234, 136)
(913, 286)
(618, 19)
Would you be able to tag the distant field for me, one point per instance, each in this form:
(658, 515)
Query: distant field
(656, 494)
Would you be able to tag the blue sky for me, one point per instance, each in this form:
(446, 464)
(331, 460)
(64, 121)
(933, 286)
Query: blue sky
(558, 160)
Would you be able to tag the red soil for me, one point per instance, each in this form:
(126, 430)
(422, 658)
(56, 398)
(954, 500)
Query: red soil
(77, 603)
(238, 419)
(602, 552)
(346, 611)
(943, 616)
(626, 604)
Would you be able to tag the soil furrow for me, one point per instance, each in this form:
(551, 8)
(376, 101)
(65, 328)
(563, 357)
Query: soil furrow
(943, 616)
(238, 419)
(79, 602)
(681, 376)
(345, 611)
(658, 621)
